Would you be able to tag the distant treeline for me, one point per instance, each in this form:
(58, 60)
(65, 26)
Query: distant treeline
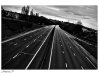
(88, 34)
(24, 16)
(32, 20)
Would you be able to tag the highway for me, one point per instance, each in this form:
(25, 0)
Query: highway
(49, 47)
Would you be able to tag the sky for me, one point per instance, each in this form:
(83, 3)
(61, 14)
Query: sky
(87, 14)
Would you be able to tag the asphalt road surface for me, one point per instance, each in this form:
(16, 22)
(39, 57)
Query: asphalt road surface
(46, 48)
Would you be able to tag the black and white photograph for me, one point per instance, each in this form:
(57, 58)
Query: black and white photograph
(49, 37)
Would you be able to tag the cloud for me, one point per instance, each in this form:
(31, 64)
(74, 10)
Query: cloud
(87, 14)
(15, 8)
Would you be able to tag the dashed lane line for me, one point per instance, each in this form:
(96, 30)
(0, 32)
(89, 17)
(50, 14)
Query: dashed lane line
(20, 35)
(37, 51)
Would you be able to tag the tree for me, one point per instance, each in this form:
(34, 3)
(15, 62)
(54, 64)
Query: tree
(24, 13)
(25, 10)
(78, 28)
(37, 14)
(2, 8)
(3, 12)
(79, 23)
(31, 13)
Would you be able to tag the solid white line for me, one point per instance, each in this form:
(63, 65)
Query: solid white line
(7, 62)
(37, 51)
(24, 48)
(20, 35)
(15, 56)
(82, 67)
(20, 52)
(90, 62)
(87, 53)
(51, 52)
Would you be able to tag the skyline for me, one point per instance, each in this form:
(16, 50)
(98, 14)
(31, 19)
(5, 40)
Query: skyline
(72, 13)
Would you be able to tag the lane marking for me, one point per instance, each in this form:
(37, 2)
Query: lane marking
(24, 48)
(84, 51)
(27, 53)
(75, 37)
(74, 43)
(90, 62)
(74, 54)
(87, 53)
(38, 37)
(37, 51)
(27, 46)
(71, 40)
(15, 43)
(63, 52)
(20, 35)
(24, 39)
(34, 40)
(18, 53)
(51, 51)
(7, 62)
(15, 56)
(82, 67)
(66, 65)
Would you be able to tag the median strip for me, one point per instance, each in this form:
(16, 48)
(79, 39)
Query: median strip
(38, 50)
